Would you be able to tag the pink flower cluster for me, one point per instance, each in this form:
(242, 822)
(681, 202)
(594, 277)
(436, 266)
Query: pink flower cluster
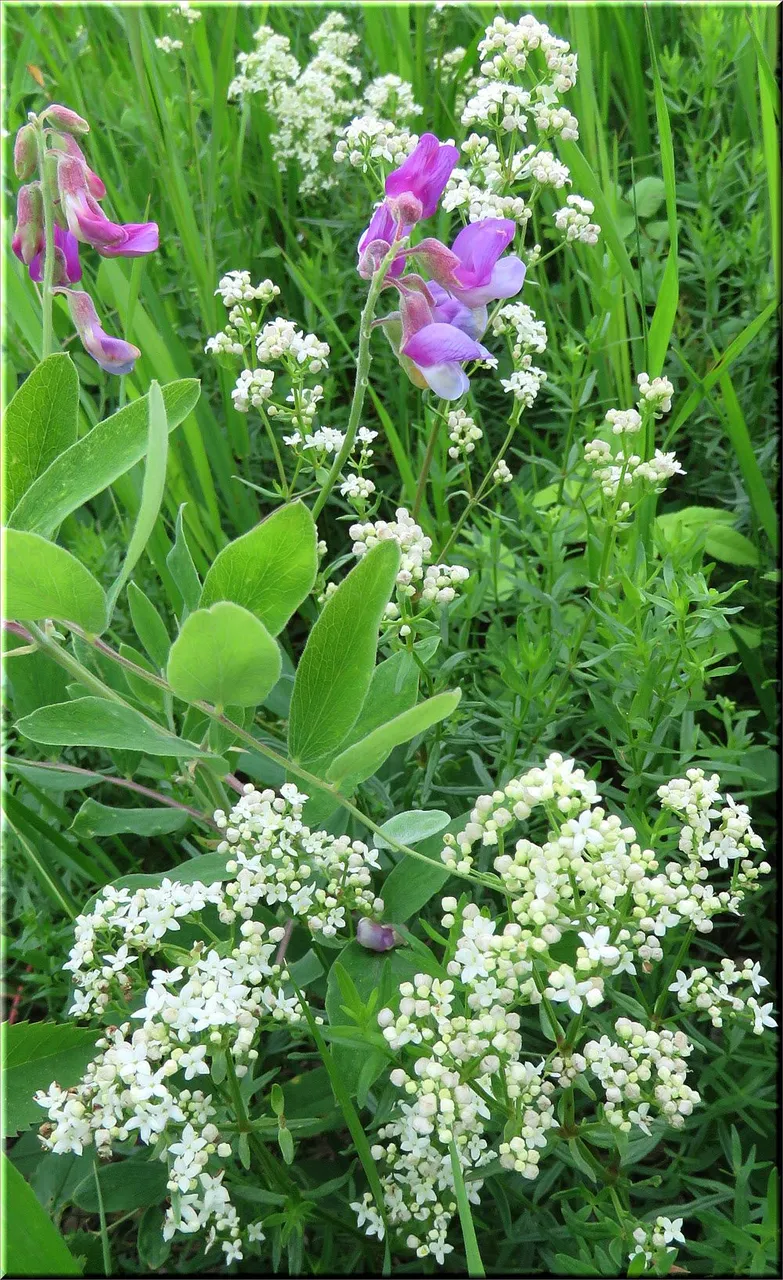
(78, 217)
(440, 321)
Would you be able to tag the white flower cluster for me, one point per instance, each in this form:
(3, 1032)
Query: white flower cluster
(308, 104)
(281, 340)
(207, 1009)
(358, 489)
(703, 992)
(546, 170)
(498, 106)
(391, 96)
(574, 220)
(277, 859)
(502, 473)
(656, 396)
(506, 48)
(642, 1069)
(457, 1036)
(463, 434)
(529, 334)
(167, 45)
(624, 422)
(185, 10)
(480, 190)
(524, 384)
(617, 471)
(590, 857)
(457, 1032)
(432, 583)
(663, 1232)
(254, 387)
(325, 441)
(368, 138)
(237, 286)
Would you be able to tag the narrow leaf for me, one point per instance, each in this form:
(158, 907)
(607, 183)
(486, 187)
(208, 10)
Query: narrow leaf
(152, 490)
(40, 424)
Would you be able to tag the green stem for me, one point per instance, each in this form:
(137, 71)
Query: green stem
(485, 483)
(107, 1267)
(237, 1102)
(425, 469)
(472, 1255)
(47, 337)
(363, 361)
(276, 451)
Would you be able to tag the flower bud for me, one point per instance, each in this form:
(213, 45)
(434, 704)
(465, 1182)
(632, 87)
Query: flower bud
(29, 234)
(25, 152)
(66, 119)
(405, 208)
(63, 142)
(375, 936)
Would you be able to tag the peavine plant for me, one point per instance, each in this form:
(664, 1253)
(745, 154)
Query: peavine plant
(546, 1017)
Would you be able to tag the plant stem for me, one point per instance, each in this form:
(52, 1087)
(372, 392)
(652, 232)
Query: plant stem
(47, 337)
(472, 1255)
(129, 786)
(363, 360)
(107, 1267)
(425, 468)
(482, 489)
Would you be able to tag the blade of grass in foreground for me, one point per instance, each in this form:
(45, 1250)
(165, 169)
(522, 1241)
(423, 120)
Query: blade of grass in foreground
(666, 306)
(472, 1255)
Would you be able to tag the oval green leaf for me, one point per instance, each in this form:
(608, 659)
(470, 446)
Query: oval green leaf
(269, 570)
(43, 580)
(223, 655)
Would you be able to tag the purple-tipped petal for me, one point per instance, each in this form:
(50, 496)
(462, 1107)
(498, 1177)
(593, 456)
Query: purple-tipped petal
(441, 344)
(425, 173)
(376, 241)
(140, 238)
(506, 280)
(112, 354)
(69, 246)
(450, 310)
(449, 381)
(478, 248)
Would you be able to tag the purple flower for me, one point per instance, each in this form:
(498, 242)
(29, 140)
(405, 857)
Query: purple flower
(88, 223)
(29, 233)
(112, 354)
(67, 259)
(438, 351)
(450, 310)
(374, 936)
(480, 278)
(376, 242)
(418, 184)
(64, 142)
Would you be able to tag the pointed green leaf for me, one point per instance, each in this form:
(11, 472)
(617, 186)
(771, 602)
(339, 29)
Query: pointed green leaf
(35, 1054)
(361, 760)
(149, 626)
(336, 668)
(182, 569)
(43, 580)
(94, 819)
(269, 570)
(223, 655)
(40, 424)
(152, 490)
(33, 1245)
(96, 722)
(97, 460)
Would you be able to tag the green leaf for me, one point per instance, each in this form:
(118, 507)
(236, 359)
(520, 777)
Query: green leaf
(152, 489)
(32, 1246)
(336, 668)
(180, 564)
(149, 626)
(394, 688)
(730, 546)
(35, 1054)
(669, 295)
(365, 971)
(94, 819)
(223, 655)
(129, 1184)
(647, 195)
(413, 826)
(411, 884)
(269, 570)
(97, 460)
(40, 423)
(96, 722)
(361, 760)
(45, 581)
